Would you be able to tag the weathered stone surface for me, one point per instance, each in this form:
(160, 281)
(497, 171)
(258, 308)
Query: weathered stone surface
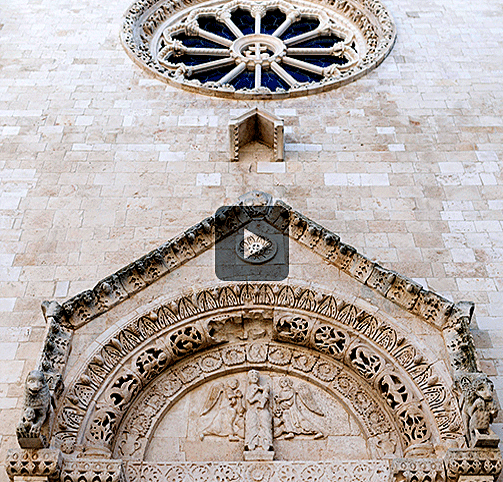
(34, 463)
(99, 165)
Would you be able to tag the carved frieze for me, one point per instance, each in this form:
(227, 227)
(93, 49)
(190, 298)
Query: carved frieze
(472, 462)
(316, 471)
(418, 470)
(34, 463)
(93, 470)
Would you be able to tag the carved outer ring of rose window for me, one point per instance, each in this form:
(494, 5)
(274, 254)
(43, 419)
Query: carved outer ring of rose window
(150, 29)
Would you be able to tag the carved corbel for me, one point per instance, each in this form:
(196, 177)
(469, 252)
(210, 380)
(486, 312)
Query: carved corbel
(93, 470)
(418, 470)
(257, 125)
(478, 408)
(44, 384)
(42, 465)
(458, 338)
(476, 465)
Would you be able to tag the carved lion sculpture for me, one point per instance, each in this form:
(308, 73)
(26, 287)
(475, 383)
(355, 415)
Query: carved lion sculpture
(37, 404)
(480, 411)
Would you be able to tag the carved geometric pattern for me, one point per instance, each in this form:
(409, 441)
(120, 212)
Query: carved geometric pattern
(418, 470)
(462, 462)
(371, 470)
(34, 463)
(251, 49)
(93, 470)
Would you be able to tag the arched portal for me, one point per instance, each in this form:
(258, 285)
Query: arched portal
(379, 376)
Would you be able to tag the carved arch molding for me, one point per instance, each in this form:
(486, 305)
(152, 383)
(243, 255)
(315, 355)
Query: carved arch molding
(402, 400)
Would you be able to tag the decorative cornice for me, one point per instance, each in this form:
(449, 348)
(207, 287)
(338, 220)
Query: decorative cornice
(470, 462)
(131, 279)
(34, 463)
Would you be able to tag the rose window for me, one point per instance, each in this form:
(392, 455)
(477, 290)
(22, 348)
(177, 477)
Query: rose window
(252, 46)
(259, 49)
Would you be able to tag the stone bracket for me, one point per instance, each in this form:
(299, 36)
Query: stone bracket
(473, 464)
(257, 125)
(44, 464)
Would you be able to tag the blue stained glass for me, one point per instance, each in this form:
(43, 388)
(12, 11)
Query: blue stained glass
(272, 20)
(322, 60)
(302, 26)
(213, 75)
(301, 75)
(192, 59)
(196, 42)
(211, 25)
(245, 80)
(326, 41)
(273, 82)
(244, 21)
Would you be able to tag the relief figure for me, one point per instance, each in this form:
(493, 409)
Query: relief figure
(293, 410)
(226, 401)
(258, 421)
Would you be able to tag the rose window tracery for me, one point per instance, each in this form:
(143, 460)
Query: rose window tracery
(248, 45)
(260, 49)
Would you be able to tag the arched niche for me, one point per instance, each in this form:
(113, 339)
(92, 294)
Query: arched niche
(128, 366)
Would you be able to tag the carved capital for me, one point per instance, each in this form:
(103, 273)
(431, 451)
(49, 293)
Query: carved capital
(44, 463)
(418, 470)
(461, 464)
(93, 470)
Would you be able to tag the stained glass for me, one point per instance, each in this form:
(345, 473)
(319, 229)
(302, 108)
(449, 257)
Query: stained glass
(224, 49)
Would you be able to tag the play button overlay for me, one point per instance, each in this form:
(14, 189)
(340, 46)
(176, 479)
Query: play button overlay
(256, 249)
(256, 252)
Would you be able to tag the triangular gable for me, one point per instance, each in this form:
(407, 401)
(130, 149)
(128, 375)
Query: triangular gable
(199, 238)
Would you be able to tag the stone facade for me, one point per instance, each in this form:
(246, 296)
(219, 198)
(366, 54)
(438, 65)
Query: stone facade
(101, 164)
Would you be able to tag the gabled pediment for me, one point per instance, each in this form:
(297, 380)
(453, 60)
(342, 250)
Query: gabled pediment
(354, 361)
(167, 258)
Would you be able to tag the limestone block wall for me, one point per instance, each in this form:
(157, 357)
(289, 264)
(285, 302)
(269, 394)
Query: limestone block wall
(100, 164)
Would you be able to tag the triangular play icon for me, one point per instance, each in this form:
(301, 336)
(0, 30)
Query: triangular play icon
(254, 245)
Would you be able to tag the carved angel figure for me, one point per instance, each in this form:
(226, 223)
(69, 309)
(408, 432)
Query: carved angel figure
(292, 409)
(37, 404)
(226, 401)
(258, 424)
(480, 409)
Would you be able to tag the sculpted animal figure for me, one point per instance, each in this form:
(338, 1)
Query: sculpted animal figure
(37, 405)
(480, 411)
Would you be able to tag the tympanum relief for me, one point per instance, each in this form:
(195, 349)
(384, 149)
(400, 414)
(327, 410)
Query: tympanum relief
(256, 415)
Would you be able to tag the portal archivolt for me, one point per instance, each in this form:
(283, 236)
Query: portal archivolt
(397, 395)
